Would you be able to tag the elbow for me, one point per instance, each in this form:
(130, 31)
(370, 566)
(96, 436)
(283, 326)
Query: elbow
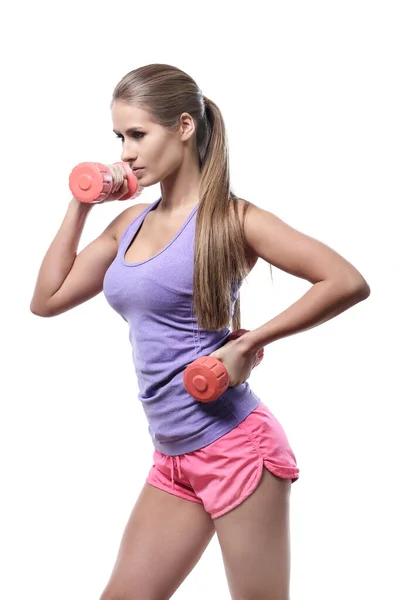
(365, 291)
(38, 312)
(359, 289)
(354, 288)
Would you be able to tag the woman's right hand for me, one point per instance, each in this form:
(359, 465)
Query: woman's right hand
(116, 195)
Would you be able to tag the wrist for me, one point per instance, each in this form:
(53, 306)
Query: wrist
(248, 344)
(81, 207)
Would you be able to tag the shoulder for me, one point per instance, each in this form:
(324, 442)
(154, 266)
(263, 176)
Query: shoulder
(121, 221)
(245, 210)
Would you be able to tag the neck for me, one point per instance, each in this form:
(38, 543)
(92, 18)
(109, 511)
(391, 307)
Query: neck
(180, 190)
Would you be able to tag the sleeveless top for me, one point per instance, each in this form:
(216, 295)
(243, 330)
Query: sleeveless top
(155, 297)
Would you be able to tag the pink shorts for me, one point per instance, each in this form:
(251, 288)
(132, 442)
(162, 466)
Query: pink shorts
(224, 473)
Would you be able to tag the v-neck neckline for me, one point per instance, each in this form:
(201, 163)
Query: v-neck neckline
(130, 239)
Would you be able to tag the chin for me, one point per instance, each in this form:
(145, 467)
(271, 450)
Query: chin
(142, 181)
(148, 182)
(145, 184)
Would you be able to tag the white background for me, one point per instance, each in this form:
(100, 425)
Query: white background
(310, 96)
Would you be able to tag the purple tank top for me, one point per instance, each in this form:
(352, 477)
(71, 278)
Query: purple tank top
(155, 297)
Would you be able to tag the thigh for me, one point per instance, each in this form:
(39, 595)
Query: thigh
(255, 544)
(163, 540)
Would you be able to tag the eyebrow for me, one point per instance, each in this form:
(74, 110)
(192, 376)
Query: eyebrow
(129, 131)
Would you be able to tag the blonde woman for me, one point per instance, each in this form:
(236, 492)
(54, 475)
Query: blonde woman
(173, 270)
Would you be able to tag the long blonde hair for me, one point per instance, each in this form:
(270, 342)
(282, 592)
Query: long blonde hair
(220, 257)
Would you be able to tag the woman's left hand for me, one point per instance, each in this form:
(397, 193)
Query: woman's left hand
(238, 360)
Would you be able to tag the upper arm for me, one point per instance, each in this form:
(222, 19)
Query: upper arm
(294, 252)
(85, 279)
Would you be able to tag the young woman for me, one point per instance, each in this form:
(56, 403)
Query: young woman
(172, 269)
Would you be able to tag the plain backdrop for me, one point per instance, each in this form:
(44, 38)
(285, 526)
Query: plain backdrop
(310, 96)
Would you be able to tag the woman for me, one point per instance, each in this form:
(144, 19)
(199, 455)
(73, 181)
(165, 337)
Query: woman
(173, 269)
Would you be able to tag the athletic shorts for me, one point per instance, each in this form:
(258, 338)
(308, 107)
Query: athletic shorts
(223, 474)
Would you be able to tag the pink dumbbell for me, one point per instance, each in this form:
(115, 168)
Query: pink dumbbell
(93, 182)
(206, 378)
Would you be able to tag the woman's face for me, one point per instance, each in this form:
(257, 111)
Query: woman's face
(146, 144)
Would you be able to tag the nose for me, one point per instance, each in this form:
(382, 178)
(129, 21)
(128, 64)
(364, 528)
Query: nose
(128, 155)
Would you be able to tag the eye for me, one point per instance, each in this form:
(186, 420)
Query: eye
(134, 134)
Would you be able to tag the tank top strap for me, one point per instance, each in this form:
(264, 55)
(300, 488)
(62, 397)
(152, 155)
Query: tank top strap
(137, 221)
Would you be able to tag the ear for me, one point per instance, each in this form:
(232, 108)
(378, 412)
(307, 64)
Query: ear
(187, 126)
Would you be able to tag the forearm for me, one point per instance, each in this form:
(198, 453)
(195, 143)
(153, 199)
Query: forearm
(323, 301)
(60, 256)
